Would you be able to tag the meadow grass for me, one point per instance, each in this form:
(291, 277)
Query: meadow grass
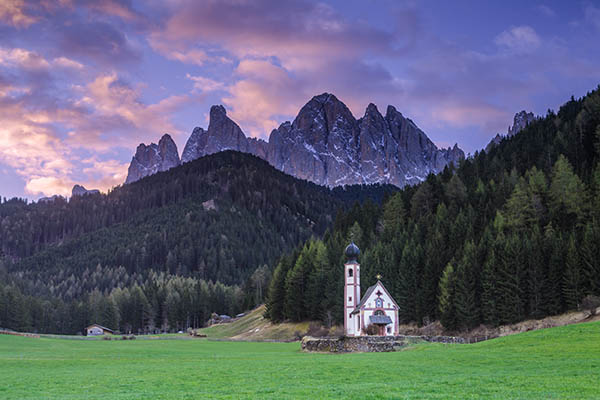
(556, 363)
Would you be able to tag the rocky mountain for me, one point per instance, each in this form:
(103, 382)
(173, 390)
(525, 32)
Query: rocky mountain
(79, 190)
(327, 145)
(154, 158)
(520, 121)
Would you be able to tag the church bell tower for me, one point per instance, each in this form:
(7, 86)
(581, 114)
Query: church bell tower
(351, 291)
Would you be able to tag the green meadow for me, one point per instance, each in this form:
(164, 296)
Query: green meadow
(557, 363)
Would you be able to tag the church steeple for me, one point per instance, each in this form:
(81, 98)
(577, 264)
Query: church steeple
(352, 326)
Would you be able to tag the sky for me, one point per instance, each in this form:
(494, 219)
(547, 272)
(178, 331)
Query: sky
(82, 83)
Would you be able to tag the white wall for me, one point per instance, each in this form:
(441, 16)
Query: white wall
(94, 331)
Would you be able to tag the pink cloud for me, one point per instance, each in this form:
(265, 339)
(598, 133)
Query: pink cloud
(13, 12)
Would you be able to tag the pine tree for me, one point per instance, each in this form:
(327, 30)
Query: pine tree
(590, 258)
(446, 302)
(572, 280)
(491, 293)
(466, 279)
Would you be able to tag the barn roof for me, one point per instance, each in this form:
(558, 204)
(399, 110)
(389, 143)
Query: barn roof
(101, 327)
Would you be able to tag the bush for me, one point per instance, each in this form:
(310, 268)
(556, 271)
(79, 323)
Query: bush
(372, 330)
(336, 331)
(317, 330)
(106, 338)
(590, 303)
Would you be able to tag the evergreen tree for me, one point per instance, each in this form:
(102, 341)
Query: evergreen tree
(447, 303)
(572, 280)
(466, 278)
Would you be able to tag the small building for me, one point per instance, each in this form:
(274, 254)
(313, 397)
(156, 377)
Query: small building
(96, 330)
(376, 307)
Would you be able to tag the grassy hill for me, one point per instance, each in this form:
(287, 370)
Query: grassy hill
(550, 363)
(254, 326)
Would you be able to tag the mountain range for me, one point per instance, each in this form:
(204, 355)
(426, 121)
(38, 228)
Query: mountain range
(325, 144)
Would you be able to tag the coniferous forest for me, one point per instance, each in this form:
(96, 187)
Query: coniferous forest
(162, 253)
(507, 235)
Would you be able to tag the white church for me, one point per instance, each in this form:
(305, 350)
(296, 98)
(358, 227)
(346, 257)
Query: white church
(376, 307)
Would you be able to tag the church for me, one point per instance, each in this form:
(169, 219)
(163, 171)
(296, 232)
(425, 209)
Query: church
(376, 307)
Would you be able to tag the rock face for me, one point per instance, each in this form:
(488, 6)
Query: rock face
(154, 158)
(520, 122)
(79, 190)
(327, 145)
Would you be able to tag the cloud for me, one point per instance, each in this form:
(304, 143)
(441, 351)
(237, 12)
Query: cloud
(48, 185)
(22, 58)
(265, 28)
(262, 92)
(179, 52)
(67, 63)
(519, 39)
(204, 84)
(45, 130)
(14, 12)
(98, 41)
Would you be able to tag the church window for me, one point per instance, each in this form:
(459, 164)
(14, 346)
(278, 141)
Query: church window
(350, 298)
(349, 272)
(378, 303)
(389, 329)
(379, 312)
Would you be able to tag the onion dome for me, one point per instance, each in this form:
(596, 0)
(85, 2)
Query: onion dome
(352, 252)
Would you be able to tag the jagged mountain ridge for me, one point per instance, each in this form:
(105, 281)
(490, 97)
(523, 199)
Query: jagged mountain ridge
(327, 145)
(153, 158)
(520, 122)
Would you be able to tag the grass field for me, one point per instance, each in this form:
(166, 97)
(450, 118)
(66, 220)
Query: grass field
(557, 363)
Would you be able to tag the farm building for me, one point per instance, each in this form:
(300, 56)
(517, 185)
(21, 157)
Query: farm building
(95, 330)
(376, 308)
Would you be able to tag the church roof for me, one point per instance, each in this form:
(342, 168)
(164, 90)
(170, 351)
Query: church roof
(364, 298)
(380, 319)
(368, 294)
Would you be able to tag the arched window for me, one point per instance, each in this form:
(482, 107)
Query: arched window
(379, 312)
(378, 303)
(350, 272)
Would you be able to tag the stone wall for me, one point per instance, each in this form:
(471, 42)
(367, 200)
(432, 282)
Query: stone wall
(348, 344)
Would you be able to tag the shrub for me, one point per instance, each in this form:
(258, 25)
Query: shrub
(372, 330)
(317, 330)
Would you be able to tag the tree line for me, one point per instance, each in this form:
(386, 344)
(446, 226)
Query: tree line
(508, 234)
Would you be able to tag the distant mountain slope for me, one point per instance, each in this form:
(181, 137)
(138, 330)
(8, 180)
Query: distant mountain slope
(217, 218)
(325, 144)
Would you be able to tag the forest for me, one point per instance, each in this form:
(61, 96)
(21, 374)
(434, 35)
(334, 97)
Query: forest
(507, 235)
(162, 253)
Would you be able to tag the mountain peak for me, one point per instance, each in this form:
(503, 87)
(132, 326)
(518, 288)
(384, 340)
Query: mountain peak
(153, 158)
(520, 121)
(327, 145)
(79, 190)
(217, 111)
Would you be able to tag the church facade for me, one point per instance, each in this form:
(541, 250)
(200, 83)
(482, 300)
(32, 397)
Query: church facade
(376, 308)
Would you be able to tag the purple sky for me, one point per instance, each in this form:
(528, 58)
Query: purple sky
(83, 82)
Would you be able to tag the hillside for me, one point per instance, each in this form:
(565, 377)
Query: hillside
(508, 235)
(559, 363)
(191, 239)
(255, 327)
